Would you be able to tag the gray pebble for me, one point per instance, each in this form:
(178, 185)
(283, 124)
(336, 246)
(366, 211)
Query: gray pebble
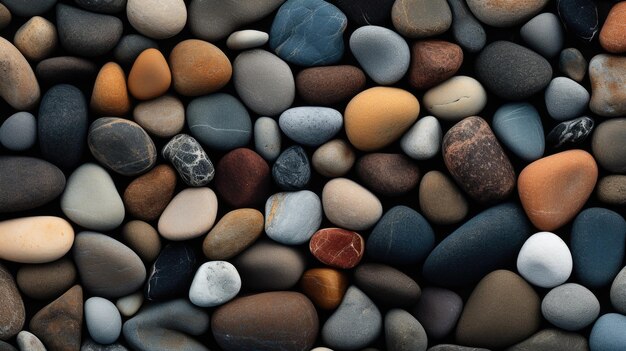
(618, 292)
(570, 306)
(310, 126)
(267, 138)
(382, 53)
(403, 332)
(573, 64)
(292, 170)
(544, 34)
(104, 6)
(190, 160)
(86, 33)
(103, 320)
(291, 218)
(466, 29)
(566, 99)
(423, 140)
(215, 283)
(438, 311)
(552, 340)
(27, 341)
(19, 132)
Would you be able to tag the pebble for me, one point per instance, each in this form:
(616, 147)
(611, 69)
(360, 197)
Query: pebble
(438, 311)
(247, 39)
(554, 189)
(292, 170)
(66, 69)
(214, 284)
(62, 125)
(580, 18)
(243, 178)
(199, 68)
(29, 342)
(387, 285)
(27, 9)
(5, 346)
(268, 265)
(35, 239)
(161, 325)
(597, 243)
(566, 99)
(466, 30)
(214, 20)
(552, 340)
(324, 286)
(90, 345)
(486, 319)
(511, 71)
(156, 19)
(401, 237)
(103, 6)
(440, 199)
(421, 18)
(103, 320)
(28, 183)
(333, 159)
(404, 332)
(110, 96)
(450, 347)
(364, 12)
(279, 320)
(545, 260)
(291, 218)
(612, 37)
(191, 162)
(36, 39)
(617, 292)
(608, 85)
(91, 200)
(380, 108)
(267, 138)
(544, 34)
(518, 126)
(264, 82)
(46, 281)
(107, 267)
(308, 32)
(456, 98)
(85, 33)
(489, 176)
(190, 214)
(382, 53)
(349, 205)
(130, 46)
(570, 133)
(356, 323)
(147, 196)
(388, 174)
(20, 88)
(59, 324)
(573, 64)
(608, 333)
(150, 76)
(432, 62)
(12, 312)
(337, 247)
(612, 189)
(130, 304)
(505, 13)
(330, 84)
(310, 126)
(143, 239)
(609, 145)
(570, 307)
(172, 273)
(479, 246)
(423, 140)
(5, 17)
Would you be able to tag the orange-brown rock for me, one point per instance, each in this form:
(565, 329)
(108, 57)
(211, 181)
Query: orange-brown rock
(613, 33)
(324, 286)
(236, 231)
(59, 324)
(554, 189)
(147, 196)
(150, 76)
(110, 95)
(199, 67)
(432, 62)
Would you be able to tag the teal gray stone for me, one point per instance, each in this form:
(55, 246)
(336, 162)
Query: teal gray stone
(466, 29)
(19, 132)
(544, 34)
(566, 99)
(309, 125)
(609, 333)
(403, 332)
(382, 53)
(518, 127)
(570, 307)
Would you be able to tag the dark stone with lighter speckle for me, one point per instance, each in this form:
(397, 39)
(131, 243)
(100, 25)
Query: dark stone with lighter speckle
(66, 69)
(90, 345)
(570, 132)
(171, 273)
(28, 8)
(130, 46)
(580, 18)
(190, 160)
(292, 170)
(86, 33)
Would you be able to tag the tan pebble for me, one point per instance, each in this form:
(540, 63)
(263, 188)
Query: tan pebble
(233, 233)
(190, 214)
(333, 159)
(18, 86)
(35, 239)
(46, 281)
(349, 205)
(36, 39)
(612, 190)
(142, 238)
(199, 67)
(440, 199)
(110, 95)
(163, 116)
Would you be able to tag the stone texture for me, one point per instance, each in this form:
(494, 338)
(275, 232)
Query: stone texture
(440, 199)
(19, 87)
(570, 306)
(163, 117)
(19, 131)
(190, 214)
(291, 218)
(143, 239)
(544, 34)
(150, 76)
(566, 99)
(110, 96)
(147, 196)
(552, 340)
(12, 312)
(421, 18)
(364, 12)
(130, 304)
(608, 332)
(386, 285)
(388, 174)
(234, 232)
(104, 6)
(349, 205)
(438, 311)
(247, 39)
(466, 30)
(28, 9)
(404, 332)
(66, 69)
(456, 98)
(382, 53)
(267, 138)
(38, 239)
(310, 125)
(46, 281)
(156, 19)
(333, 159)
(612, 190)
(191, 162)
(28, 341)
(292, 169)
(5, 17)
(199, 68)
(86, 33)
(36, 39)
(330, 84)
(242, 178)
(432, 62)
(215, 283)
(172, 273)
(324, 286)
(337, 247)
(618, 292)
(518, 126)
(423, 140)
(570, 133)
(103, 320)
(58, 325)
(545, 260)
(612, 37)
(608, 85)
(505, 13)
(580, 18)
(573, 64)
(609, 145)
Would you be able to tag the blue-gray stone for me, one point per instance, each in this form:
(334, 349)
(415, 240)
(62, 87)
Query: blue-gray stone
(190, 160)
(467, 30)
(402, 236)
(570, 307)
(130, 46)
(404, 332)
(382, 53)
(219, 121)
(292, 170)
(267, 138)
(618, 292)
(483, 244)
(62, 125)
(25, 8)
(87, 33)
(597, 244)
(609, 333)
(544, 34)
(308, 32)
(310, 126)
(570, 133)
(19, 132)
(291, 218)
(103, 320)
(172, 272)
(566, 99)
(580, 17)
(518, 127)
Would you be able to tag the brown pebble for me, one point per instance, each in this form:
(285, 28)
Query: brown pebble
(163, 116)
(324, 286)
(5, 16)
(46, 281)
(199, 67)
(110, 95)
(243, 178)
(613, 35)
(12, 312)
(329, 85)
(59, 324)
(388, 174)
(432, 62)
(233, 233)
(36, 39)
(150, 76)
(612, 190)
(440, 199)
(143, 239)
(148, 195)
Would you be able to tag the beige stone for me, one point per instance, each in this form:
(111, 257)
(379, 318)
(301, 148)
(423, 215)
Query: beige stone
(163, 116)
(36, 39)
(190, 214)
(333, 159)
(456, 98)
(18, 86)
(349, 205)
(35, 239)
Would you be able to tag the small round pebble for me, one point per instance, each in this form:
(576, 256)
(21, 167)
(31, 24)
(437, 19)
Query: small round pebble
(618, 292)
(421, 18)
(310, 126)
(110, 96)
(432, 62)
(292, 169)
(569, 133)
(329, 85)
(243, 178)
(382, 53)
(163, 117)
(324, 286)
(267, 138)
(388, 174)
(46, 281)
(143, 239)
(214, 284)
(440, 199)
(150, 76)
(566, 99)
(423, 140)
(190, 214)
(544, 34)
(612, 37)
(130, 304)
(103, 320)
(28, 341)
(234, 232)
(349, 205)
(438, 310)
(573, 64)
(505, 13)
(608, 144)
(19, 131)
(387, 285)
(246, 39)
(608, 333)
(333, 159)
(403, 332)
(518, 126)
(545, 260)
(36, 39)
(570, 307)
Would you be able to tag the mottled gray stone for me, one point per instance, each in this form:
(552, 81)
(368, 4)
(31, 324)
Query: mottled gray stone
(190, 160)
(28, 341)
(570, 306)
(309, 125)
(438, 310)
(403, 332)
(267, 138)
(573, 64)
(423, 140)
(215, 283)
(552, 340)
(292, 170)
(570, 132)
(291, 218)
(28, 8)
(566, 99)
(466, 29)
(90, 345)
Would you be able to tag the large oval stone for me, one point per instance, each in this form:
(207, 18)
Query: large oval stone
(86, 33)
(199, 67)
(35, 239)
(234, 232)
(19, 86)
(190, 214)
(46, 281)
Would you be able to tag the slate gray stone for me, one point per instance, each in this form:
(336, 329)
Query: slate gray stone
(292, 169)
(386, 285)
(466, 29)
(570, 133)
(25, 8)
(291, 218)
(103, 320)
(19, 131)
(544, 34)
(566, 99)
(310, 125)
(552, 340)
(267, 138)
(67, 69)
(90, 345)
(382, 53)
(403, 332)
(518, 127)
(570, 307)
(103, 6)
(130, 46)
(86, 33)
(618, 292)
(189, 159)
(438, 310)
(423, 140)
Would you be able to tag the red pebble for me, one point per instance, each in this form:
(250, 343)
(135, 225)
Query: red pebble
(337, 247)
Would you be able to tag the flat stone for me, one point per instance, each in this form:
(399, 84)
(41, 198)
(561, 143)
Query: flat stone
(456, 98)
(505, 13)
(214, 284)
(23, 9)
(404, 332)
(247, 39)
(324, 286)
(364, 12)
(349, 205)
(333, 159)
(243, 178)
(423, 140)
(570, 306)
(566, 99)
(545, 260)
(608, 85)
(432, 62)
(36, 39)
(570, 133)
(39, 239)
(337, 247)
(28, 341)
(190, 214)
(329, 85)
(573, 64)
(608, 332)
(612, 189)
(292, 169)
(20, 88)
(466, 30)
(86, 33)
(46, 281)
(156, 19)
(267, 138)
(103, 320)
(150, 76)
(199, 68)
(291, 218)
(130, 46)
(310, 126)
(66, 69)
(147, 196)
(518, 126)
(612, 37)
(110, 96)
(544, 34)
(12, 312)
(382, 53)
(440, 199)
(103, 6)
(421, 18)
(19, 132)
(234, 232)
(172, 273)
(190, 160)
(59, 324)
(388, 174)
(580, 18)
(129, 305)
(438, 311)
(609, 145)
(618, 292)
(552, 340)
(143, 239)
(386, 285)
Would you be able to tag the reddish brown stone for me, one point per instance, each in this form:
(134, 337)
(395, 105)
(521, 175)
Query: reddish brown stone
(388, 174)
(613, 35)
(432, 62)
(243, 178)
(147, 196)
(337, 247)
(329, 85)
(324, 286)
(59, 324)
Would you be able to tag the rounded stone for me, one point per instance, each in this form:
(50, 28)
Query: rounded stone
(423, 140)
(570, 306)
(573, 64)
(190, 160)
(544, 34)
(291, 218)
(292, 169)
(440, 199)
(86, 33)
(386, 285)
(234, 232)
(438, 311)
(246, 39)
(267, 138)
(421, 18)
(432, 62)
(456, 98)
(570, 133)
(324, 286)
(28, 341)
(199, 68)
(566, 99)
(66, 69)
(35, 239)
(609, 145)
(612, 37)
(552, 340)
(214, 284)
(163, 117)
(608, 85)
(617, 292)
(310, 126)
(19, 87)
(12, 312)
(518, 126)
(505, 13)
(349, 205)
(333, 159)
(28, 9)
(337, 247)
(379, 109)
(36, 39)
(612, 190)
(46, 281)
(580, 18)
(329, 85)
(130, 46)
(404, 332)
(545, 260)
(110, 96)
(5, 17)
(466, 30)
(103, 320)
(19, 131)
(243, 178)
(388, 174)
(59, 324)
(104, 6)
(382, 53)
(608, 333)
(172, 272)
(190, 214)
(156, 19)
(150, 76)
(130, 304)
(142, 238)
(147, 196)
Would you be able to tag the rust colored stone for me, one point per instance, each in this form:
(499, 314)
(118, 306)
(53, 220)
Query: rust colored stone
(329, 85)
(324, 286)
(613, 33)
(243, 178)
(147, 196)
(199, 67)
(388, 174)
(59, 324)
(337, 247)
(432, 62)
(150, 76)
(110, 96)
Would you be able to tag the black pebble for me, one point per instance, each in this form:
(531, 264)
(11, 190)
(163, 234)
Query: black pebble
(86, 33)
(580, 17)
(66, 69)
(103, 6)
(570, 132)
(171, 273)
(365, 12)
(130, 46)
(292, 170)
